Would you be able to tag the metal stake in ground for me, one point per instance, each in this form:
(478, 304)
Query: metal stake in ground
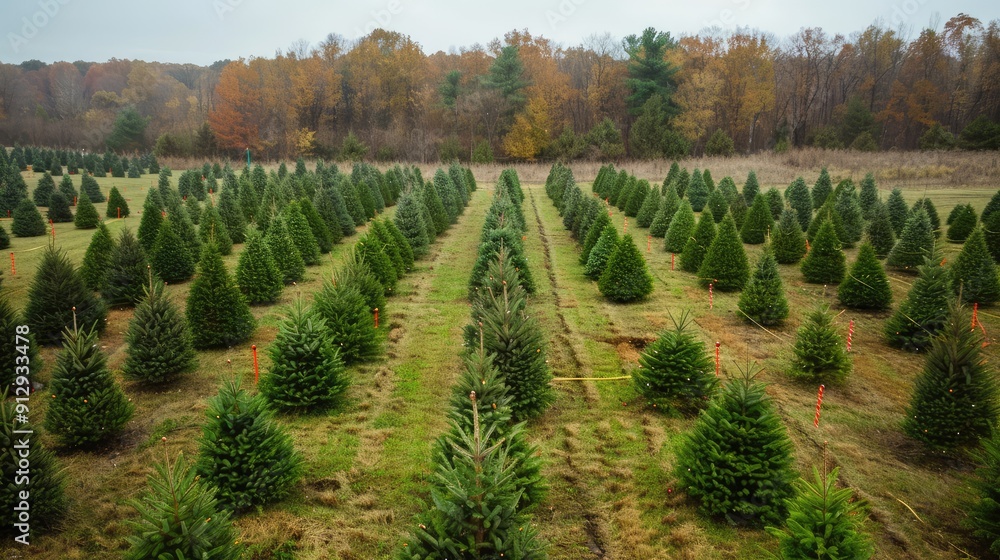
(256, 370)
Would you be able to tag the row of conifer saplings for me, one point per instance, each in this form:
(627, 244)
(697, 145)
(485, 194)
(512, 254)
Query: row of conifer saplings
(246, 459)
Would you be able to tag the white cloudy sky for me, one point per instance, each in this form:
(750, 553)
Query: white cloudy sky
(203, 31)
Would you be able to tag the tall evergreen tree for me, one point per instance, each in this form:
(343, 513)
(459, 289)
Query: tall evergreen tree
(822, 189)
(285, 253)
(59, 211)
(159, 344)
(87, 406)
(991, 232)
(851, 223)
(681, 227)
(868, 196)
(56, 289)
(915, 243)
(866, 285)
(924, 311)
(788, 241)
(320, 231)
(400, 242)
(117, 206)
(751, 188)
(212, 228)
(725, 265)
(728, 189)
(879, 231)
(89, 185)
(648, 209)
(257, 275)
(801, 201)
(964, 222)
(984, 515)
(371, 249)
(27, 221)
(409, 219)
(230, 210)
(601, 252)
(300, 233)
(738, 210)
(992, 206)
(775, 202)
(243, 452)
(350, 322)
(179, 517)
(763, 299)
(46, 186)
(68, 190)
(758, 222)
(171, 259)
(820, 354)
(955, 398)
(825, 263)
(932, 214)
(637, 198)
(149, 224)
(594, 232)
(439, 213)
(898, 211)
(306, 373)
(697, 245)
(217, 312)
(737, 459)
(626, 278)
(86, 214)
(974, 274)
(127, 274)
(717, 205)
(676, 368)
(697, 191)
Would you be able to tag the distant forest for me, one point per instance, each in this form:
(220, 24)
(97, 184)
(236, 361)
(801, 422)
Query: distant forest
(647, 95)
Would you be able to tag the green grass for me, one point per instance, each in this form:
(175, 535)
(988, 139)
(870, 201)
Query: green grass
(608, 456)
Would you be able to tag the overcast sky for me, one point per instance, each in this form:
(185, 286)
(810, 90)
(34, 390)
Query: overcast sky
(204, 31)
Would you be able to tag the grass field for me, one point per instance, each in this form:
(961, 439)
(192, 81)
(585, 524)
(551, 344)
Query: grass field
(608, 456)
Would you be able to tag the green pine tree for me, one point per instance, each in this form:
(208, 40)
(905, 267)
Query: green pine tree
(822, 189)
(647, 212)
(991, 232)
(56, 289)
(915, 243)
(898, 211)
(932, 214)
(87, 407)
(736, 461)
(27, 221)
(378, 229)
(820, 353)
(851, 222)
(825, 263)
(601, 221)
(879, 231)
(410, 221)
(212, 228)
(117, 206)
(230, 210)
(243, 452)
(866, 285)
(46, 186)
(717, 205)
(149, 224)
(992, 206)
(681, 226)
(637, 198)
(306, 372)
(217, 313)
(4, 238)
(758, 222)
(86, 214)
(824, 522)
(171, 259)
(400, 242)
(354, 271)
(15, 354)
(285, 253)
(67, 189)
(320, 231)
(763, 299)
(601, 252)
(256, 273)
(965, 220)
(974, 274)
(954, 399)
(751, 188)
(697, 245)
(788, 241)
(89, 185)
(697, 191)
(626, 278)
(371, 250)
(924, 311)
(775, 202)
(350, 322)
(668, 207)
(159, 344)
(868, 196)
(179, 517)
(59, 211)
(438, 213)
(738, 210)
(300, 233)
(126, 275)
(725, 265)
(800, 199)
(676, 369)
(984, 515)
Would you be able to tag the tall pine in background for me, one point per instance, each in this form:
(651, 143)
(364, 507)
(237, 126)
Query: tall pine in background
(55, 290)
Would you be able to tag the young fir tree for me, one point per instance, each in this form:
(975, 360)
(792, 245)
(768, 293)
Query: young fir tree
(27, 221)
(127, 275)
(992, 206)
(67, 189)
(824, 522)
(87, 406)
(825, 263)
(738, 210)
(626, 193)
(974, 274)
(681, 226)
(601, 221)
(697, 245)
(984, 515)
(728, 189)
(676, 369)
(301, 234)
(763, 299)
(212, 229)
(178, 218)
(775, 202)
(798, 197)
(149, 224)
(879, 230)
(159, 344)
(285, 253)
(758, 222)
(737, 459)
(513, 337)
(4, 238)
(230, 211)
(822, 189)
(636, 200)
(955, 397)
(46, 186)
(965, 220)
(320, 231)
(400, 243)
(820, 354)
(117, 206)
(915, 243)
(991, 232)
(171, 259)
(44, 481)
(626, 278)
(89, 185)
(217, 313)
(56, 289)
(86, 213)
(751, 188)
(179, 517)
(256, 273)
(697, 192)
(868, 195)
(244, 453)
(898, 211)
(717, 205)
(725, 265)
(866, 285)
(647, 212)
(439, 214)
(410, 221)
(59, 211)
(373, 252)
(788, 241)
(350, 322)
(601, 252)
(377, 229)
(682, 182)
(932, 214)
(307, 374)
(354, 271)
(924, 311)
(668, 207)
(851, 224)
